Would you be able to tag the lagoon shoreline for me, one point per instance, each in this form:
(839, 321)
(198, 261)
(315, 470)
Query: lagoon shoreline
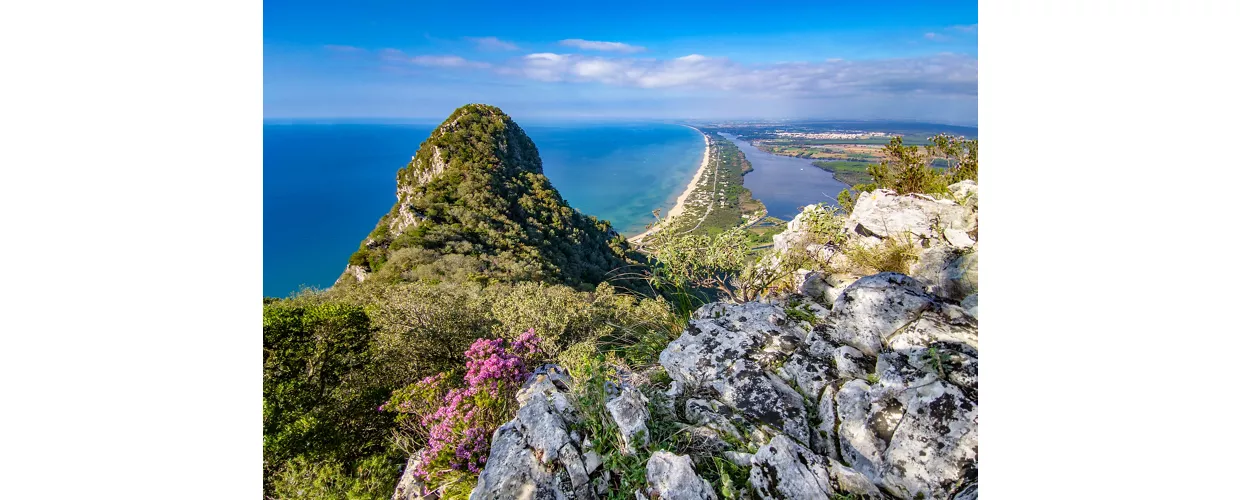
(681, 200)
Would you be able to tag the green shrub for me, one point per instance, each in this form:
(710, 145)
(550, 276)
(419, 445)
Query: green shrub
(319, 404)
(906, 169)
(372, 478)
(825, 226)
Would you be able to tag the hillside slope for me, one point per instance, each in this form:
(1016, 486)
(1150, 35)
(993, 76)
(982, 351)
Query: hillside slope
(474, 204)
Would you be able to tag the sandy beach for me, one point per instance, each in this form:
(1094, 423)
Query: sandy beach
(684, 196)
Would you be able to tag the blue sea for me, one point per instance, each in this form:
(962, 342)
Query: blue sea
(326, 185)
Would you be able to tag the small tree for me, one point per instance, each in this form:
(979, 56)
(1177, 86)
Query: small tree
(906, 169)
(961, 156)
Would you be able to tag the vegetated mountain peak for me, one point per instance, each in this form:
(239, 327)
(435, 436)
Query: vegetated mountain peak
(473, 204)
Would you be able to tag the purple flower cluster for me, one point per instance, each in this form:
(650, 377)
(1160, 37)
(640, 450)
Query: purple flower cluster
(460, 426)
(490, 364)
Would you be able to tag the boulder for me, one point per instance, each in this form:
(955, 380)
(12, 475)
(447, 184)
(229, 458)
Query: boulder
(710, 414)
(851, 363)
(874, 307)
(785, 469)
(536, 454)
(851, 482)
(671, 477)
(970, 305)
(726, 351)
(914, 433)
(811, 284)
(947, 272)
(630, 413)
(883, 213)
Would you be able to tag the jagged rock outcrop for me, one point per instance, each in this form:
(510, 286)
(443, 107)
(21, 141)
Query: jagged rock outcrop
(724, 355)
(874, 398)
(884, 214)
(536, 454)
(878, 400)
(943, 233)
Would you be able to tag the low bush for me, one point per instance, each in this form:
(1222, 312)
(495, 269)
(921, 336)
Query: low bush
(372, 478)
(893, 254)
(454, 420)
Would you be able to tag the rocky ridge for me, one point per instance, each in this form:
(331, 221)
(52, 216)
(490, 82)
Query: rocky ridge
(869, 391)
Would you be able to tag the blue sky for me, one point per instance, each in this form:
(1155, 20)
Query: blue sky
(668, 60)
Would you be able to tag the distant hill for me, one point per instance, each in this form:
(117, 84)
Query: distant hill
(473, 204)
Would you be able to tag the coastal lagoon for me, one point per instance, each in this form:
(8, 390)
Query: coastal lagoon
(326, 185)
(785, 184)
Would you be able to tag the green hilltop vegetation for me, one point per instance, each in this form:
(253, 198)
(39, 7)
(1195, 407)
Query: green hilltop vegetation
(481, 251)
(474, 203)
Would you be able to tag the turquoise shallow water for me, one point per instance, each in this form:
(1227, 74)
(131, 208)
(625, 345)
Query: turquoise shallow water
(325, 186)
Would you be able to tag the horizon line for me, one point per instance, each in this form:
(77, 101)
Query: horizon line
(422, 120)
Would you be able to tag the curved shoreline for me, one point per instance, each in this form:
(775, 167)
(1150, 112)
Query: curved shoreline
(679, 208)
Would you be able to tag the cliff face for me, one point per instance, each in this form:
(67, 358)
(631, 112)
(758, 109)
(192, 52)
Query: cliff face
(475, 195)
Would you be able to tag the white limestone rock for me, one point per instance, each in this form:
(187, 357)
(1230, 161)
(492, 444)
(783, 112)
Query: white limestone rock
(536, 455)
(946, 272)
(671, 477)
(885, 214)
(970, 305)
(851, 363)
(784, 469)
(727, 350)
(874, 307)
(409, 487)
(630, 413)
(934, 447)
(811, 284)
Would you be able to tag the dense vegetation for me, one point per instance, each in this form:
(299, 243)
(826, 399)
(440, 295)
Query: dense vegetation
(331, 358)
(849, 172)
(473, 204)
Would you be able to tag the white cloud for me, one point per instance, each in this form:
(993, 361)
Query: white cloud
(602, 46)
(943, 74)
(964, 28)
(935, 36)
(492, 43)
(447, 62)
